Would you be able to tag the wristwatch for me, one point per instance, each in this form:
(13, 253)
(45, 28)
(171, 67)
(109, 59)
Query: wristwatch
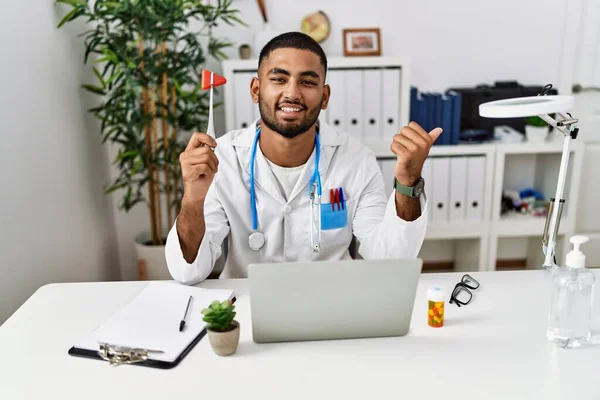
(410, 191)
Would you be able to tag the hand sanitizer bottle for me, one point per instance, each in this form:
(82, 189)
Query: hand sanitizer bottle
(572, 297)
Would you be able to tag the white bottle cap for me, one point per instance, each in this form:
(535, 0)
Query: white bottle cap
(436, 293)
(575, 258)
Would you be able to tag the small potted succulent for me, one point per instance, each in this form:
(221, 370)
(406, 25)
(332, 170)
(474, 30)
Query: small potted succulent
(536, 129)
(223, 330)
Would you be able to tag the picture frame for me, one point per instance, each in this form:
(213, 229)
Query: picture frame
(362, 42)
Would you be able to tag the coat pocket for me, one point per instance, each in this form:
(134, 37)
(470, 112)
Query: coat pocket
(333, 219)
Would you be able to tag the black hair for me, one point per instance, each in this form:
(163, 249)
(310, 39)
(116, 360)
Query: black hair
(294, 40)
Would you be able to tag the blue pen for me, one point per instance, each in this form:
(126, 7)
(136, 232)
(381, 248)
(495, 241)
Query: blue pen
(342, 200)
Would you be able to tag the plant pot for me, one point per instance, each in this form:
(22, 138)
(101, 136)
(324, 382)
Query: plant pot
(151, 260)
(245, 51)
(536, 134)
(225, 343)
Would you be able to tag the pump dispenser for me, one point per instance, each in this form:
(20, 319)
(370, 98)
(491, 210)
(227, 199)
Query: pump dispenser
(575, 258)
(569, 322)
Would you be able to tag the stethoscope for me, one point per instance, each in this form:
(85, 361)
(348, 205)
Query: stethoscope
(256, 240)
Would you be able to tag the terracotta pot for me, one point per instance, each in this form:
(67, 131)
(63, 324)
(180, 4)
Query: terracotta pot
(245, 52)
(225, 343)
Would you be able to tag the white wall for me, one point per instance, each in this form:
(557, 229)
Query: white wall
(56, 225)
(458, 42)
(449, 43)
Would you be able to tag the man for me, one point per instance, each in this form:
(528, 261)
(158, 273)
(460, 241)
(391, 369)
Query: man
(272, 217)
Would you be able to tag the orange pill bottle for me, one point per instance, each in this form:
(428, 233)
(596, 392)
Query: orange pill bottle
(436, 298)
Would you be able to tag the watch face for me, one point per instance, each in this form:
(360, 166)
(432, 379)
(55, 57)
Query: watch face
(419, 186)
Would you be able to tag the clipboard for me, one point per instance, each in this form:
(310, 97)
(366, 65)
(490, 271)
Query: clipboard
(171, 348)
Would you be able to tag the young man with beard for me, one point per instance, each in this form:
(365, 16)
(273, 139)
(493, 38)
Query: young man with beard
(259, 186)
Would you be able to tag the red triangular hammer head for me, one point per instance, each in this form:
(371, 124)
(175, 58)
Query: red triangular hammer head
(218, 80)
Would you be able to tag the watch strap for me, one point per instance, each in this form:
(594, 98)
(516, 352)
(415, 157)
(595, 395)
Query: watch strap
(405, 190)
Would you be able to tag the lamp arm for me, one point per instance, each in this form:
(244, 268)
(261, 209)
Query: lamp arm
(556, 205)
(566, 121)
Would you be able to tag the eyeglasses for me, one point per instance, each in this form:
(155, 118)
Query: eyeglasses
(461, 295)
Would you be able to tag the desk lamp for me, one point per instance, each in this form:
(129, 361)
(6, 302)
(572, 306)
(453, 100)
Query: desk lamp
(542, 105)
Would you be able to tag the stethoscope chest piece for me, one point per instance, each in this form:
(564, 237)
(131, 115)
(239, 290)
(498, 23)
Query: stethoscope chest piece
(256, 240)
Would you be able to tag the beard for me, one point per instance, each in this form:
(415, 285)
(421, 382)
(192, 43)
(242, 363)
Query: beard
(288, 129)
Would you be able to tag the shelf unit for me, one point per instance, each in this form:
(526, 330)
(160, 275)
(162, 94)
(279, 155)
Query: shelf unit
(470, 236)
(526, 165)
(475, 244)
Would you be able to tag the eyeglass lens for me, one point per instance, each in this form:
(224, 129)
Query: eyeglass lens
(462, 294)
(469, 282)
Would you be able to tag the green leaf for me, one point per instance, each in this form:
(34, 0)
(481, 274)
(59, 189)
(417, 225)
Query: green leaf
(74, 13)
(94, 89)
(112, 4)
(74, 3)
(114, 188)
(99, 76)
(110, 132)
(126, 154)
(114, 28)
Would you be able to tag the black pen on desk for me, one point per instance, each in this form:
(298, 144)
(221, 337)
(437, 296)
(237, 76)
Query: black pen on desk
(187, 308)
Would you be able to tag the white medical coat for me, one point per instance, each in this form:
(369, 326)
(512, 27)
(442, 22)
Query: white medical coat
(345, 162)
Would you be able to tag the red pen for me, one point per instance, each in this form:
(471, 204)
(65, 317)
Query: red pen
(337, 199)
(332, 199)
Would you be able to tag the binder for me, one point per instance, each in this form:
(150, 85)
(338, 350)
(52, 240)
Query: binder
(422, 111)
(417, 107)
(440, 167)
(372, 92)
(391, 101)
(437, 118)
(146, 330)
(244, 107)
(426, 174)
(428, 114)
(337, 102)
(456, 115)
(446, 123)
(353, 110)
(458, 188)
(414, 97)
(475, 187)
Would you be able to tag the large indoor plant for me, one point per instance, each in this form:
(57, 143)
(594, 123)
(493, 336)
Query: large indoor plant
(148, 62)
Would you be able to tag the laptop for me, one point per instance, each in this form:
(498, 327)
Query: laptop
(324, 300)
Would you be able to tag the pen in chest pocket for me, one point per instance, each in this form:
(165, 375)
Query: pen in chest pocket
(332, 199)
(336, 198)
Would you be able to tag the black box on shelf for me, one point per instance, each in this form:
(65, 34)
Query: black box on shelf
(471, 121)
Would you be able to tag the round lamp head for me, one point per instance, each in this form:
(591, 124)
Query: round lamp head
(526, 106)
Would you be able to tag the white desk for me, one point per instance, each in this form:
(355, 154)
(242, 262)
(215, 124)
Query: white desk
(494, 348)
